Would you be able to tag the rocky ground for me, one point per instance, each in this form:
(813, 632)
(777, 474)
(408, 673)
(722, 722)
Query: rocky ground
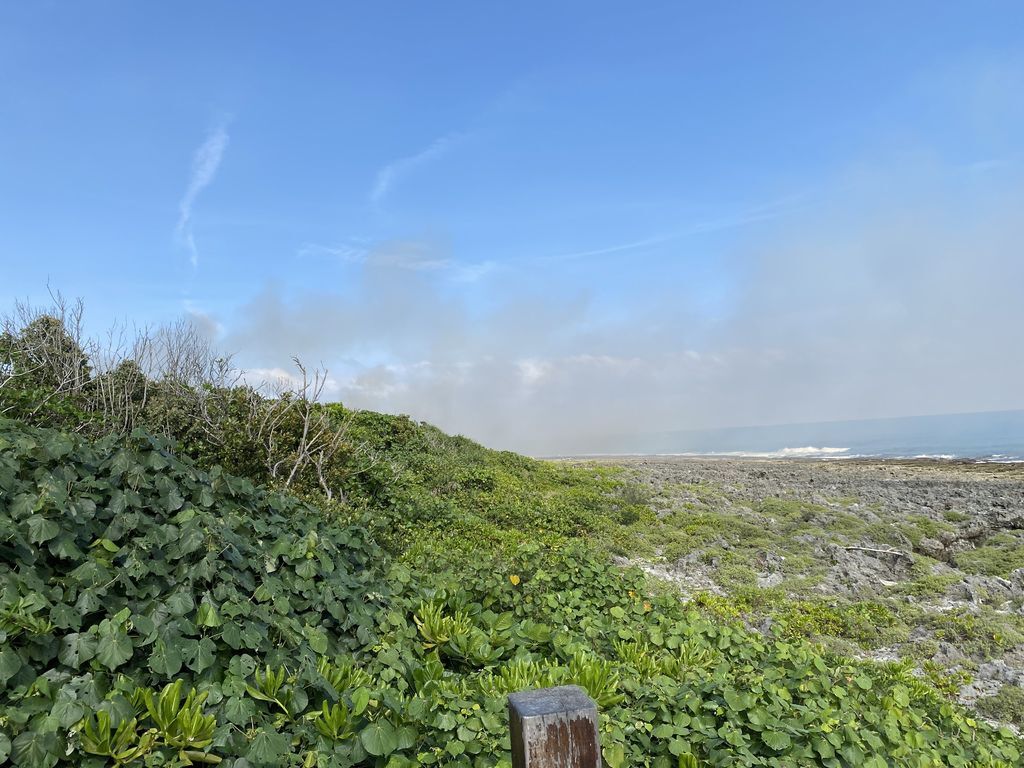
(920, 561)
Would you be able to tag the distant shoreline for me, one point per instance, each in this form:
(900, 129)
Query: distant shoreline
(965, 463)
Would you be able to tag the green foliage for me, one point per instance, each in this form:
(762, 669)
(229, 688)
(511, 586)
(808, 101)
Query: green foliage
(424, 486)
(1006, 706)
(1000, 554)
(124, 567)
(948, 682)
(924, 583)
(917, 527)
(157, 614)
(868, 623)
(44, 360)
(982, 633)
(686, 685)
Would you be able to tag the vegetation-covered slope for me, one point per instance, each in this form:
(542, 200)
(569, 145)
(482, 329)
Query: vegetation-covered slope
(157, 614)
(275, 582)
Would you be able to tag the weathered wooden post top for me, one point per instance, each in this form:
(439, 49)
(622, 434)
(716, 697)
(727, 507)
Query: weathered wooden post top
(554, 728)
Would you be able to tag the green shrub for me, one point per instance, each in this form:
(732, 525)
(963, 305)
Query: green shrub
(984, 633)
(917, 527)
(1000, 554)
(1006, 706)
(869, 624)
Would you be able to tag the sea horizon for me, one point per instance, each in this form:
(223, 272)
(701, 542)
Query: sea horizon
(989, 436)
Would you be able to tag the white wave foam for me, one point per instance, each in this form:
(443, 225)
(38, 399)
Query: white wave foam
(805, 452)
(1000, 458)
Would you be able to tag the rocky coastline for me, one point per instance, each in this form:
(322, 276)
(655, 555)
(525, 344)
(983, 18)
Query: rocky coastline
(914, 560)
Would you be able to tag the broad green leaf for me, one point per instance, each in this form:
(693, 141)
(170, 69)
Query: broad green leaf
(614, 755)
(406, 737)
(679, 747)
(203, 656)
(173, 500)
(67, 712)
(445, 721)
(191, 539)
(77, 648)
(239, 710)
(207, 616)
(268, 748)
(10, 663)
(900, 695)
(65, 548)
(454, 748)
(317, 639)
(40, 529)
(664, 731)
(165, 659)
(180, 603)
(360, 699)
(776, 739)
(114, 647)
(231, 634)
(379, 738)
(36, 749)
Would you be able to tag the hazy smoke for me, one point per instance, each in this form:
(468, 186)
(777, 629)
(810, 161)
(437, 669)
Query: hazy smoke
(896, 293)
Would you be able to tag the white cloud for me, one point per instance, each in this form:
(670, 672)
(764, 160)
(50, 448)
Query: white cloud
(205, 163)
(890, 297)
(276, 379)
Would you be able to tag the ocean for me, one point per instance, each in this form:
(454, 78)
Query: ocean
(993, 436)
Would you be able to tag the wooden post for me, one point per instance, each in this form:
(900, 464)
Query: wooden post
(554, 728)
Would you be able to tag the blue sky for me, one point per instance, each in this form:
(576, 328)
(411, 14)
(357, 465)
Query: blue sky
(544, 192)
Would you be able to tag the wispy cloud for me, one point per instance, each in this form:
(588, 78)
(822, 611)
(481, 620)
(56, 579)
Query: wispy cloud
(391, 173)
(631, 246)
(350, 253)
(763, 212)
(407, 255)
(205, 163)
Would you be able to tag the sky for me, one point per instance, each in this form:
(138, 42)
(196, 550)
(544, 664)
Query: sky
(535, 223)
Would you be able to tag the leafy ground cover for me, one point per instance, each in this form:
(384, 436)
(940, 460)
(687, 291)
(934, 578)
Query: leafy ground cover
(156, 613)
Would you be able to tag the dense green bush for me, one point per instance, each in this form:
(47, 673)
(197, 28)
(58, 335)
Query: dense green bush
(123, 567)
(422, 485)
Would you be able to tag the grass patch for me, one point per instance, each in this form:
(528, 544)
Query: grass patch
(1001, 554)
(918, 527)
(1006, 706)
(924, 583)
(984, 634)
(868, 623)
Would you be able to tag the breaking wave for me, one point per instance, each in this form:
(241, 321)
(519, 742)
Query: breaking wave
(805, 452)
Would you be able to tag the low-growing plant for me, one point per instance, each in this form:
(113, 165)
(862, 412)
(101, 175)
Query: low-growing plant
(1001, 554)
(1007, 705)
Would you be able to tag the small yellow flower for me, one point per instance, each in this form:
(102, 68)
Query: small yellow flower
(514, 579)
(647, 606)
(632, 593)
